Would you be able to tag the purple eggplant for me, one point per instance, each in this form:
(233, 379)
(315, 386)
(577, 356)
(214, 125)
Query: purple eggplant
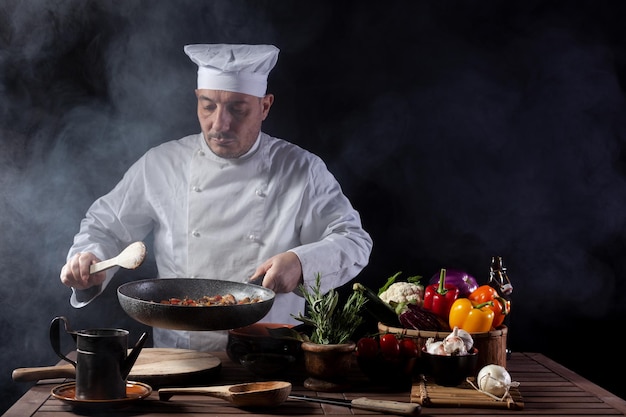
(460, 279)
(416, 317)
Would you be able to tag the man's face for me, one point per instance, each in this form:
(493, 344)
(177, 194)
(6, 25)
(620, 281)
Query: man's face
(230, 121)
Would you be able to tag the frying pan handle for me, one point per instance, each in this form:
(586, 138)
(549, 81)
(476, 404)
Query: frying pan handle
(55, 339)
(257, 280)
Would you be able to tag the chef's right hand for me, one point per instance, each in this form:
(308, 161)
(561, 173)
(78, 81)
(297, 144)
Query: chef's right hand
(281, 273)
(75, 273)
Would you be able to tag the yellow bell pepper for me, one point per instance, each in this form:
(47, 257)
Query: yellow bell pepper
(471, 316)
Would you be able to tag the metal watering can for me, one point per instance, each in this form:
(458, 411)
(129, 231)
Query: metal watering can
(102, 363)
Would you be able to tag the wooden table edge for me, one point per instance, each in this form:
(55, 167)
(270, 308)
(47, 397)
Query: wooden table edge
(33, 399)
(38, 394)
(608, 397)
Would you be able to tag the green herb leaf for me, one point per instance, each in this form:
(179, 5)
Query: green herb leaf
(389, 282)
(415, 279)
(330, 326)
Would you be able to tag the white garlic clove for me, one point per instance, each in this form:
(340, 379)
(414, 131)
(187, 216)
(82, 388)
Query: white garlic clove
(435, 348)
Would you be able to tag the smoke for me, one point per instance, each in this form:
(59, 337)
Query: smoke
(85, 89)
(459, 131)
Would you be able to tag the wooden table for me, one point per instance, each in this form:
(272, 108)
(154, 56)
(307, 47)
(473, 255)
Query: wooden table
(547, 388)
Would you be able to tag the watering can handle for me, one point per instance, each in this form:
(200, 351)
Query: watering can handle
(55, 339)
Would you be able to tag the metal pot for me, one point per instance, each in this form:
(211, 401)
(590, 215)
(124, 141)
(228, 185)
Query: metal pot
(142, 301)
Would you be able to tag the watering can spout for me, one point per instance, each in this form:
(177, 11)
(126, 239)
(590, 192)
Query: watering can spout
(128, 363)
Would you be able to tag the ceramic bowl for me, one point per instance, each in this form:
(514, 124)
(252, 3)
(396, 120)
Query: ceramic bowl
(450, 371)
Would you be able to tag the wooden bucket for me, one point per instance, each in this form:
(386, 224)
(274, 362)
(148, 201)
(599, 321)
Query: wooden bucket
(491, 345)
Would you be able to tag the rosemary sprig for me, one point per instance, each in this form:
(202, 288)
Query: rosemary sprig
(332, 325)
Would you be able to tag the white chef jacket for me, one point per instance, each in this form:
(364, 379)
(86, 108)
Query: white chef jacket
(220, 218)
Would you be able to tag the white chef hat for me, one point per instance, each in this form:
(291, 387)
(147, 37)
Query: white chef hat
(237, 68)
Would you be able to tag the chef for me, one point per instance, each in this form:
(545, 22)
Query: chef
(230, 203)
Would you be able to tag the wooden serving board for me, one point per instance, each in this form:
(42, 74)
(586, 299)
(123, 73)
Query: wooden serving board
(169, 366)
(429, 394)
(157, 367)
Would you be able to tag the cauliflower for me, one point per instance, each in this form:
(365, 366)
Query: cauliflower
(399, 294)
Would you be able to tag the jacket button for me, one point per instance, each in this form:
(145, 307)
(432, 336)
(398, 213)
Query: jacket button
(260, 192)
(195, 233)
(196, 188)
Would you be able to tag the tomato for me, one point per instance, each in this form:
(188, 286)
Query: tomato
(367, 347)
(389, 346)
(408, 348)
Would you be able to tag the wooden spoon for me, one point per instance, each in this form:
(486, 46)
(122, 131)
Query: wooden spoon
(253, 394)
(129, 258)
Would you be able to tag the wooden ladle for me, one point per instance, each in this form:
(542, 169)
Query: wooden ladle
(253, 394)
(130, 258)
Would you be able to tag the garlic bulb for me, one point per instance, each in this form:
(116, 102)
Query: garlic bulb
(467, 338)
(459, 342)
(456, 344)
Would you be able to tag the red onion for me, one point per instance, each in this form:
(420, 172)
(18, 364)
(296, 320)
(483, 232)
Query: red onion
(461, 279)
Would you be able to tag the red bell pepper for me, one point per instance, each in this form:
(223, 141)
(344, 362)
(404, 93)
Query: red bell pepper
(438, 298)
(501, 307)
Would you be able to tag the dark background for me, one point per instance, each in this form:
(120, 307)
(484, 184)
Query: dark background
(459, 129)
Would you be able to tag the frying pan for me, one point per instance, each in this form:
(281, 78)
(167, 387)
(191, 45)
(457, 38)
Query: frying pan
(141, 300)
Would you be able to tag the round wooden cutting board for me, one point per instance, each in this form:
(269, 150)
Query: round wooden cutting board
(174, 367)
(157, 367)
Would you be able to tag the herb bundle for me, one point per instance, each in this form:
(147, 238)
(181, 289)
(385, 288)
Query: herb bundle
(332, 324)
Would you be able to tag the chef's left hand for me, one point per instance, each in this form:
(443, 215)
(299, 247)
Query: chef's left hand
(283, 272)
